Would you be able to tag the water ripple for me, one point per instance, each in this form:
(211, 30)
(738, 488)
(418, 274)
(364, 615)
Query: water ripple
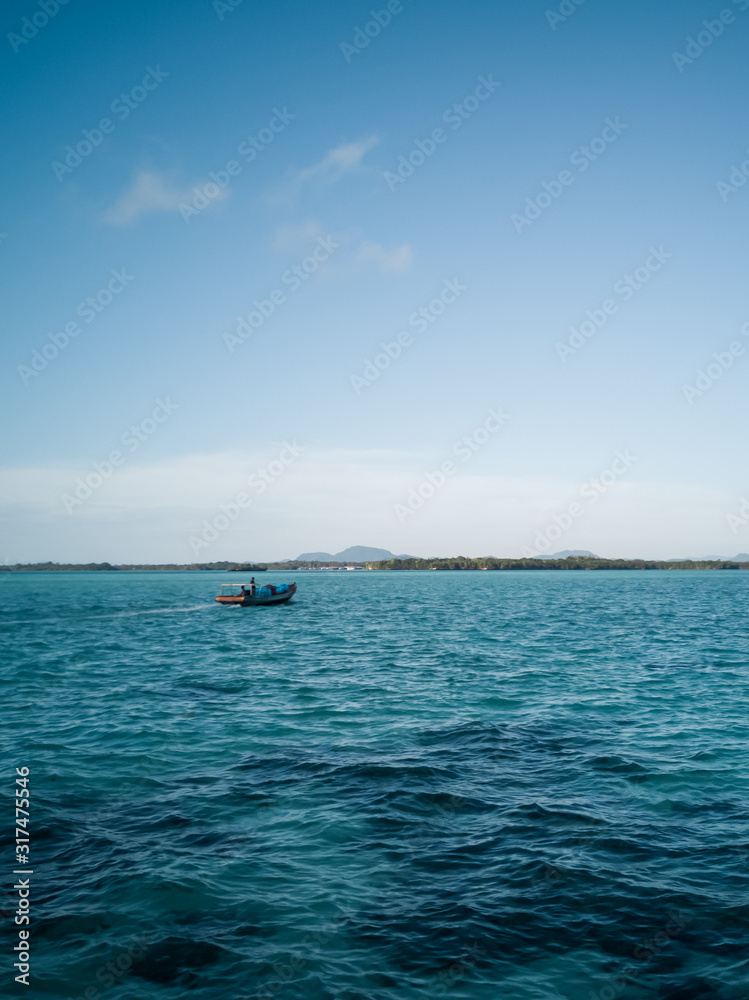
(530, 786)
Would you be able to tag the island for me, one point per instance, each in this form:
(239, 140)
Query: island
(571, 562)
(400, 563)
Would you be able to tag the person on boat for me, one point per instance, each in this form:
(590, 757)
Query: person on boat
(252, 587)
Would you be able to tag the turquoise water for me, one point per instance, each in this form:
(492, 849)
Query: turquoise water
(524, 786)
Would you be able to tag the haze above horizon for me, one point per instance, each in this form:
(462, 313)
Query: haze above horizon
(463, 281)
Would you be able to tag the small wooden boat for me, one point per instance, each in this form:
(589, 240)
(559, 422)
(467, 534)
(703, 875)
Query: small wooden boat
(240, 594)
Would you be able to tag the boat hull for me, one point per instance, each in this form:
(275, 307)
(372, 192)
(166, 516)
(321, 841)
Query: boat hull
(259, 600)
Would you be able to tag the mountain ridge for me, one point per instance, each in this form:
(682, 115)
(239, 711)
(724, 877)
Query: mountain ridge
(354, 553)
(566, 553)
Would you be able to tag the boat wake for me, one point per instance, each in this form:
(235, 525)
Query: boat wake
(160, 611)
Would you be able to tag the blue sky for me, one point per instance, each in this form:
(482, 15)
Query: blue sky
(332, 124)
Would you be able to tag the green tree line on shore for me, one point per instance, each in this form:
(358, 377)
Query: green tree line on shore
(570, 563)
(50, 567)
(457, 563)
(214, 567)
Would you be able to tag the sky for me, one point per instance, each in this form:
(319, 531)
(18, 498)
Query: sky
(443, 279)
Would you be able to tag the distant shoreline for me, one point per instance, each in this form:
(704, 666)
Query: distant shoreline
(391, 565)
(226, 567)
(570, 563)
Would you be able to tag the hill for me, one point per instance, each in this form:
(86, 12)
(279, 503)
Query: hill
(571, 552)
(353, 554)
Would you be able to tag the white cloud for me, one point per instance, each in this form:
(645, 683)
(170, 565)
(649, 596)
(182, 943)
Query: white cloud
(149, 192)
(335, 165)
(297, 238)
(397, 260)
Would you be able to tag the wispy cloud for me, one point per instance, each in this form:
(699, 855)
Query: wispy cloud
(335, 165)
(149, 192)
(398, 260)
(339, 161)
(296, 238)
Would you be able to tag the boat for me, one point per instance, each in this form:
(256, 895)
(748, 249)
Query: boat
(239, 594)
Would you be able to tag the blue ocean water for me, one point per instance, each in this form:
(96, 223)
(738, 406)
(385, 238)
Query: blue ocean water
(525, 786)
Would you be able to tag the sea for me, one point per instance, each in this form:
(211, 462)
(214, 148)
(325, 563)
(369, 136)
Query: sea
(479, 785)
